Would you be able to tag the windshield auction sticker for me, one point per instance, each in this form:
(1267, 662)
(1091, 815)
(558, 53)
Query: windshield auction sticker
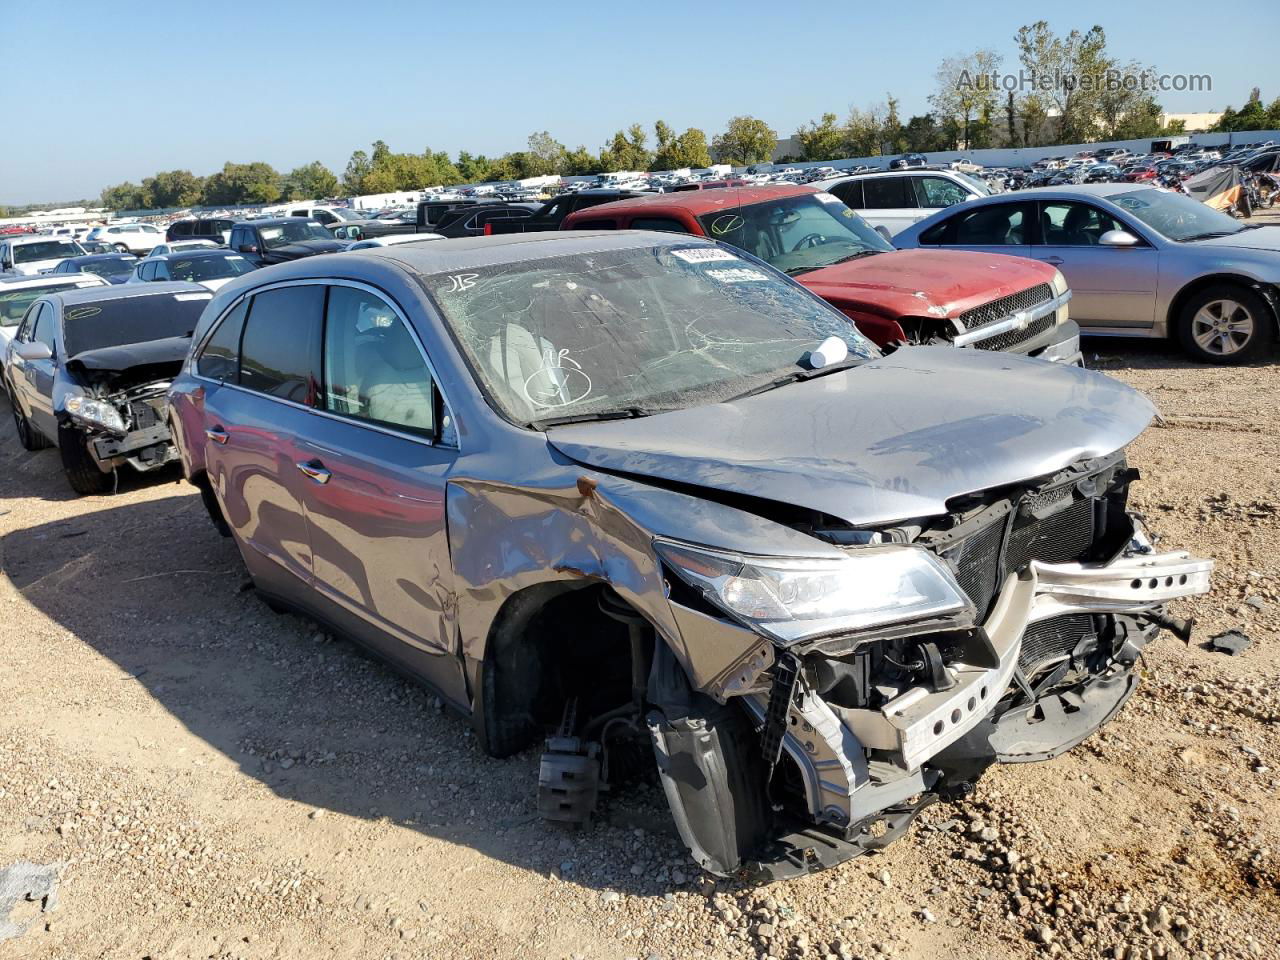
(743, 275)
(704, 255)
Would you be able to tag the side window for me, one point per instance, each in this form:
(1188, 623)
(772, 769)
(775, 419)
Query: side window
(939, 192)
(43, 332)
(850, 193)
(183, 228)
(887, 193)
(659, 223)
(220, 357)
(147, 271)
(373, 368)
(596, 225)
(161, 270)
(995, 225)
(280, 350)
(325, 217)
(1073, 224)
(297, 213)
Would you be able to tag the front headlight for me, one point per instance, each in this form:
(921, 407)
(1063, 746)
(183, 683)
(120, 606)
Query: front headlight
(790, 599)
(96, 413)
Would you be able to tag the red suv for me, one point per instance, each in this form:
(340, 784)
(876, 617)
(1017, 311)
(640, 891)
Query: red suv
(988, 301)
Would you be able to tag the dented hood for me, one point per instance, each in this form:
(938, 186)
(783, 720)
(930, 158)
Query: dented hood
(889, 440)
(925, 283)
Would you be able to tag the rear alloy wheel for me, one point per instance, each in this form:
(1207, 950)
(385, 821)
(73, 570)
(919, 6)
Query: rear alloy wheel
(28, 436)
(122, 248)
(79, 466)
(1225, 324)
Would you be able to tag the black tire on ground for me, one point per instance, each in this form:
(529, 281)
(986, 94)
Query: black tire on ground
(79, 466)
(28, 436)
(122, 248)
(1225, 324)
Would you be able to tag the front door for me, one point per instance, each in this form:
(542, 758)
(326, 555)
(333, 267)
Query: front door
(37, 375)
(375, 464)
(1110, 286)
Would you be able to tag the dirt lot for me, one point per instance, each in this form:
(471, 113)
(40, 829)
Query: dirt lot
(221, 782)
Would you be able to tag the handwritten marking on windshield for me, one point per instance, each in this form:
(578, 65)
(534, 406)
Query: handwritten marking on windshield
(462, 281)
(555, 384)
(726, 224)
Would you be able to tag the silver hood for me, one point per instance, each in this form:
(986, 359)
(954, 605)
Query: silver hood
(1257, 238)
(892, 439)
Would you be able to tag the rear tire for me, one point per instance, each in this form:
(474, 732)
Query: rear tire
(79, 466)
(122, 248)
(28, 436)
(1225, 324)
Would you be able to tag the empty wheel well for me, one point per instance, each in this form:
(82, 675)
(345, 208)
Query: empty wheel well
(1267, 293)
(549, 644)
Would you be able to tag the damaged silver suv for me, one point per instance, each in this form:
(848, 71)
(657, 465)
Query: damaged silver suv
(642, 495)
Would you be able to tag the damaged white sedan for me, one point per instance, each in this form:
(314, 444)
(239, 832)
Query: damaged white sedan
(648, 495)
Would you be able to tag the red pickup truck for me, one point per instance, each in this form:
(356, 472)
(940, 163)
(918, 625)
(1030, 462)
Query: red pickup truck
(987, 301)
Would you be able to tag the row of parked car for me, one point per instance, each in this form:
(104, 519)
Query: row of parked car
(638, 474)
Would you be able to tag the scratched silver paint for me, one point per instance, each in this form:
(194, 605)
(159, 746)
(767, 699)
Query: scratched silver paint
(893, 439)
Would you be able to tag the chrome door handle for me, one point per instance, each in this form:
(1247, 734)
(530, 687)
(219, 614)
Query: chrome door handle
(1054, 260)
(217, 435)
(315, 470)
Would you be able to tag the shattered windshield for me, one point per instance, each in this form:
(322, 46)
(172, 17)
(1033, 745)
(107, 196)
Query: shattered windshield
(796, 234)
(632, 331)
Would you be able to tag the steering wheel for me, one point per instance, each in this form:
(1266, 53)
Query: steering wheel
(810, 240)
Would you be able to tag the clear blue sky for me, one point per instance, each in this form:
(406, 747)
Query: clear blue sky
(97, 93)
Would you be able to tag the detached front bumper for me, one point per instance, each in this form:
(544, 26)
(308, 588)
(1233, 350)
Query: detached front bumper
(920, 723)
(865, 773)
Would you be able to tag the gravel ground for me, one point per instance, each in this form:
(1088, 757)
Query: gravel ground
(218, 781)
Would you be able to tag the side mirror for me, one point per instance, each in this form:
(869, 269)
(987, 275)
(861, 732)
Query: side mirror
(247, 248)
(33, 350)
(1118, 238)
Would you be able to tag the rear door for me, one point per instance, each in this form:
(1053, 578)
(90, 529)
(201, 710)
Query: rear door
(934, 193)
(988, 228)
(889, 202)
(1110, 286)
(262, 371)
(374, 460)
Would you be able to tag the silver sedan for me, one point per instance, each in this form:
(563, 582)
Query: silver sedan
(1140, 261)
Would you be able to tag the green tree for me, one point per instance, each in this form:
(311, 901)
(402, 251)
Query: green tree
(239, 183)
(666, 156)
(892, 138)
(923, 134)
(862, 131)
(1072, 68)
(545, 155)
(174, 188)
(964, 88)
(581, 162)
(125, 196)
(822, 140)
(310, 181)
(358, 167)
(692, 149)
(472, 168)
(745, 140)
